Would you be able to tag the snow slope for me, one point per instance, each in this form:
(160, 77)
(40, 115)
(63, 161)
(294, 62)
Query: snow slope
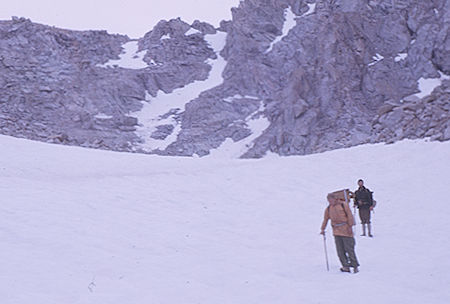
(89, 226)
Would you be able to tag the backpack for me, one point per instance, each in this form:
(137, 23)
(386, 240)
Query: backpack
(370, 196)
(346, 214)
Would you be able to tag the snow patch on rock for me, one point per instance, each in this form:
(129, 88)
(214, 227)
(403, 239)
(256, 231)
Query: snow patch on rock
(376, 58)
(400, 57)
(130, 58)
(427, 85)
(238, 96)
(103, 116)
(311, 9)
(257, 123)
(289, 23)
(166, 36)
(171, 105)
(192, 31)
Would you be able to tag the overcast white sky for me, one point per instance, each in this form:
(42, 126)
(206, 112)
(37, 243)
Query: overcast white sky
(131, 17)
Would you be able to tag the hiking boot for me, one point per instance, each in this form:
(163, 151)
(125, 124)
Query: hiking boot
(345, 269)
(355, 270)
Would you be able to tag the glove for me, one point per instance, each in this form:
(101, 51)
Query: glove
(322, 232)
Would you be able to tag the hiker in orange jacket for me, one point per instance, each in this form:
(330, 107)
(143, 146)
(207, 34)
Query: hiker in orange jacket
(341, 221)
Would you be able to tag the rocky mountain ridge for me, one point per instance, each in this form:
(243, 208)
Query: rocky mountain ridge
(289, 77)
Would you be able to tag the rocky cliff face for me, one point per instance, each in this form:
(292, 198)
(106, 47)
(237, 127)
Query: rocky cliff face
(290, 77)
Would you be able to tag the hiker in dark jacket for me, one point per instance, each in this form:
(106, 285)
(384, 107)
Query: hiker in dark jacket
(341, 221)
(364, 202)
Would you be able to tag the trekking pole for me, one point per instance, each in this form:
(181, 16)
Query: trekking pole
(326, 253)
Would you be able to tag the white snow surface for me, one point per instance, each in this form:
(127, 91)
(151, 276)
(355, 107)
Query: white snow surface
(130, 58)
(376, 58)
(166, 36)
(427, 85)
(400, 57)
(192, 31)
(90, 226)
(149, 117)
(103, 116)
(239, 96)
(289, 23)
(311, 9)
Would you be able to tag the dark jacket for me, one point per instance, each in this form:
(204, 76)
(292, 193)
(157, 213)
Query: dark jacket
(363, 198)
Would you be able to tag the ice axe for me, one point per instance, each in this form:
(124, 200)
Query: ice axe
(325, 248)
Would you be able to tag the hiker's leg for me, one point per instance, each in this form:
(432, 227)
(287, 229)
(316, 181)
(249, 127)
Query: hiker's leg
(361, 215)
(349, 246)
(369, 227)
(340, 248)
(364, 229)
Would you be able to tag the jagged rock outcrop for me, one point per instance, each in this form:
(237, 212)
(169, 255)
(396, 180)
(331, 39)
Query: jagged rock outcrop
(54, 88)
(326, 82)
(421, 118)
(299, 77)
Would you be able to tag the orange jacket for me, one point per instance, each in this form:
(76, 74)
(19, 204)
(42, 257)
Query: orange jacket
(341, 219)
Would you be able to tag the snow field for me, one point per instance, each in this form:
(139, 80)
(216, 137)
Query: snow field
(89, 226)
